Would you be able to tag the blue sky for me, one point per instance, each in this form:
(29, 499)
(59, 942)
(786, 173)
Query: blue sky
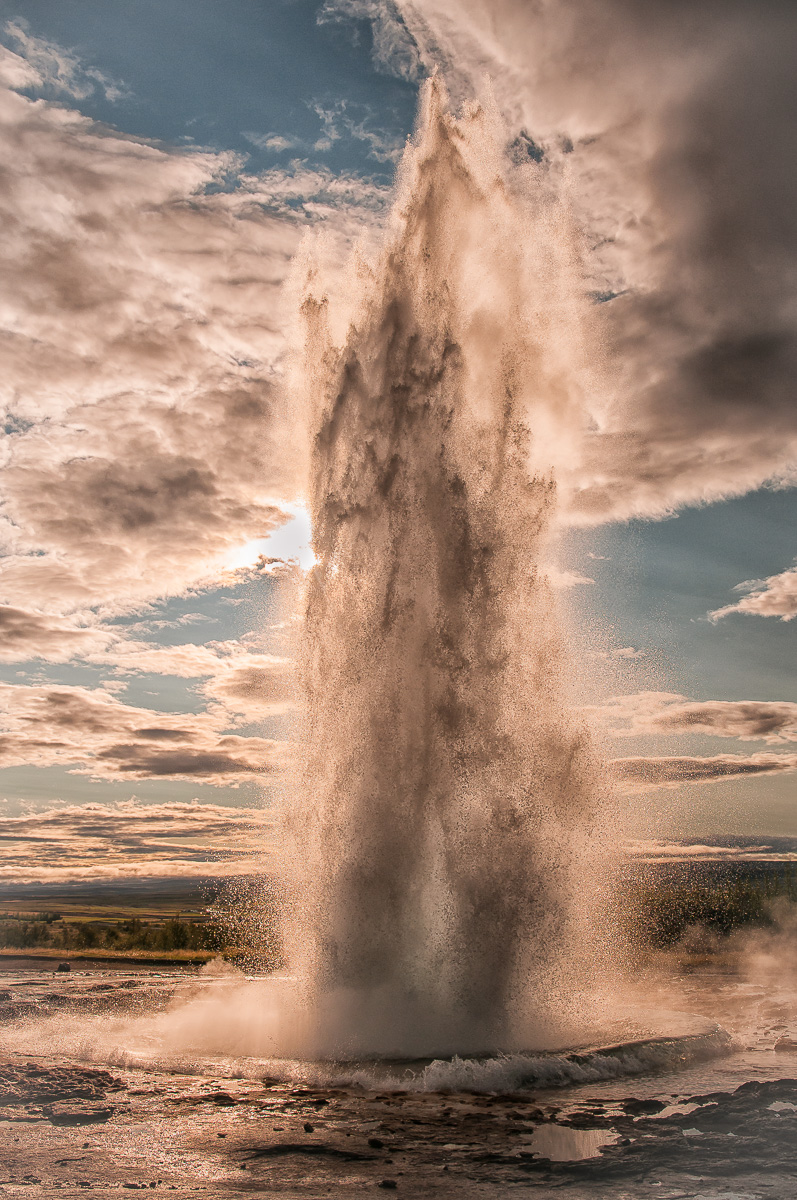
(231, 77)
(165, 162)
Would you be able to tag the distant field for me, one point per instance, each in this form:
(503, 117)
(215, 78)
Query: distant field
(172, 920)
(145, 898)
(656, 905)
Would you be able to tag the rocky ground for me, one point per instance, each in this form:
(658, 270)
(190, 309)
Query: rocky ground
(68, 1128)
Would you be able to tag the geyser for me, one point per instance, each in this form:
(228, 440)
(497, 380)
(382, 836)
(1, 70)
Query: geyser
(447, 828)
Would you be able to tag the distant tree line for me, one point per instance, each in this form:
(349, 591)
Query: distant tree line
(49, 931)
(657, 912)
(660, 912)
(239, 921)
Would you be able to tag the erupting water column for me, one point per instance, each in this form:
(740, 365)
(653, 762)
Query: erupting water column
(447, 828)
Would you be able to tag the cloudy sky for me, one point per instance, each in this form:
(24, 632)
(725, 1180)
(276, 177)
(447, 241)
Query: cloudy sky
(162, 166)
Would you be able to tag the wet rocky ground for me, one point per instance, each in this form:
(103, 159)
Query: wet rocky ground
(67, 1127)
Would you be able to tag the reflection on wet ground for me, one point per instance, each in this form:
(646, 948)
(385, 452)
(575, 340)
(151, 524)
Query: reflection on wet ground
(715, 1130)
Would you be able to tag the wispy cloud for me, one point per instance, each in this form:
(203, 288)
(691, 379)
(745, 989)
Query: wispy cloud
(53, 69)
(566, 579)
(640, 773)
(659, 851)
(619, 653)
(395, 49)
(272, 141)
(132, 840)
(93, 733)
(771, 721)
(772, 597)
(342, 119)
(28, 634)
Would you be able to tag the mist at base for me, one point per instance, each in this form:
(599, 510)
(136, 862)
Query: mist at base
(224, 1023)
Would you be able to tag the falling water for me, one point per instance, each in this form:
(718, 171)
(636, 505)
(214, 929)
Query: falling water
(447, 839)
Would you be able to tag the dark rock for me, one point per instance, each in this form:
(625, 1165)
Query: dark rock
(62, 968)
(387, 1183)
(642, 1107)
(315, 1149)
(308, 1128)
(377, 1143)
(84, 1116)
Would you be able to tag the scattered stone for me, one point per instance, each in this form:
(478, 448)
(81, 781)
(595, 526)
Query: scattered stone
(223, 1099)
(785, 1043)
(29, 1083)
(639, 1108)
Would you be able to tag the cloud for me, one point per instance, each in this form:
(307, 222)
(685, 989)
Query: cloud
(772, 597)
(26, 635)
(143, 324)
(93, 733)
(242, 683)
(186, 661)
(666, 712)
(240, 680)
(130, 840)
(271, 141)
(340, 120)
(626, 653)
(255, 685)
(52, 69)
(658, 851)
(670, 128)
(395, 50)
(640, 773)
(566, 579)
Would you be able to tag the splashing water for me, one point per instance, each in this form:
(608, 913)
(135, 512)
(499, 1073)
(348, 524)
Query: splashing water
(448, 828)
